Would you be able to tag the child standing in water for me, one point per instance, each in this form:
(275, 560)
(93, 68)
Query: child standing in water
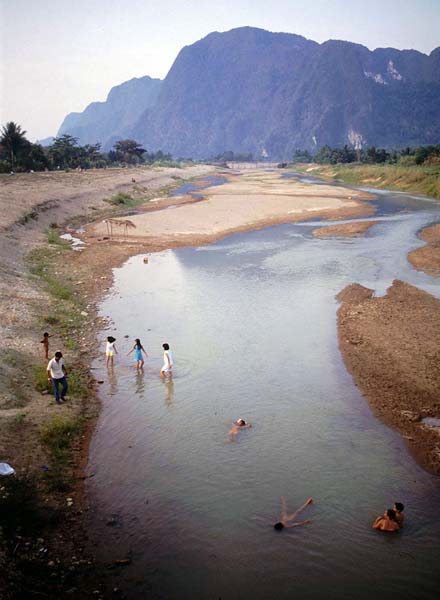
(167, 361)
(138, 349)
(110, 350)
(45, 342)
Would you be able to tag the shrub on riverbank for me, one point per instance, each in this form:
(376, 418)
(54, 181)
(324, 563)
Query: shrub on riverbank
(419, 179)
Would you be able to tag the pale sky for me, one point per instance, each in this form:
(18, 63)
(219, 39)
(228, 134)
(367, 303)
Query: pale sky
(57, 56)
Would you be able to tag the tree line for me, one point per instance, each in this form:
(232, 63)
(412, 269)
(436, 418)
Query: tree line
(18, 154)
(404, 156)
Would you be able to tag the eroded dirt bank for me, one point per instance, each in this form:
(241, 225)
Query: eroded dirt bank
(427, 258)
(391, 346)
(353, 229)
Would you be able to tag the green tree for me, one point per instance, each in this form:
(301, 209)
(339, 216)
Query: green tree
(13, 140)
(128, 151)
(65, 152)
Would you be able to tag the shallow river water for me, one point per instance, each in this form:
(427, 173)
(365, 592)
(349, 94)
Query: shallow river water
(251, 321)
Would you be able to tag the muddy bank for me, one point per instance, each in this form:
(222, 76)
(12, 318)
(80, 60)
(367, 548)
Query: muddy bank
(427, 258)
(354, 229)
(391, 347)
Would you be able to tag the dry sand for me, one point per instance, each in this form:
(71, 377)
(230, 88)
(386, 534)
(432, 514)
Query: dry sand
(251, 200)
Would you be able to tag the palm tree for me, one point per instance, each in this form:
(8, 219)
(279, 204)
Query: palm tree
(12, 138)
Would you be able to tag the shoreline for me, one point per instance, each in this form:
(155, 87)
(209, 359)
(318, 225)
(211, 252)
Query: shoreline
(427, 258)
(88, 275)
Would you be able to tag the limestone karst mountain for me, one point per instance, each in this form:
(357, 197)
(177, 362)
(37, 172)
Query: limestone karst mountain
(250, 90)
(106, 122)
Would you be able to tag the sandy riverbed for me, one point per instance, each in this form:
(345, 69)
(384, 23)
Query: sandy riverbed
(249, 200)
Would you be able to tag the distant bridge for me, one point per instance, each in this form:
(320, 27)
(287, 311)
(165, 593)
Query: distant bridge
(252, 165)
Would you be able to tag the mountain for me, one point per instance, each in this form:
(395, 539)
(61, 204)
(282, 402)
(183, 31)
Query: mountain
(250, 90)
(48, 141)
(106, 122)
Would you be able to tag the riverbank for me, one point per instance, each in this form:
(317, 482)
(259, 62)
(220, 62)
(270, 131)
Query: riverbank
(416, 179)
(42, 536)
(390, 345)
(427, 258)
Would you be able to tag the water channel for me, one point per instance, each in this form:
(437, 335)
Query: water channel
(251, 321)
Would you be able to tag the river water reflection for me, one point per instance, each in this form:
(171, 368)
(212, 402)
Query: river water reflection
(251, 321)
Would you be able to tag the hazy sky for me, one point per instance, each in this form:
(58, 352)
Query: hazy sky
(57, 56)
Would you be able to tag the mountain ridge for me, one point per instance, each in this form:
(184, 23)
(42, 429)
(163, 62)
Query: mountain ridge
(251, 90)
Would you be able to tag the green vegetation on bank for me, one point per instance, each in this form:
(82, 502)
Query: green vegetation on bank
(18, 154)
(58, 433)
(405, 157)
(418, 179)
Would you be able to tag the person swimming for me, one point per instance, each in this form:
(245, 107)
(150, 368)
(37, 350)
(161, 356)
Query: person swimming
(236, 427)
(289, 520)
(387, 522)
(398, 509)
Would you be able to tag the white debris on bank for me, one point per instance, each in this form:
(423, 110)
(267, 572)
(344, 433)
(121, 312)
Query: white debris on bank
(77, 244)
(6, 469)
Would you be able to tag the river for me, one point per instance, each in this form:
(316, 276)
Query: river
(251, 321)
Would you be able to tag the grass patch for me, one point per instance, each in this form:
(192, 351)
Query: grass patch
(53, 237)
(40, 379)
(418, 179)
(19, 418)
(57, 434)
(12, 366)
(78, 383)
(39, 261)
(120, 199)
(11, 357)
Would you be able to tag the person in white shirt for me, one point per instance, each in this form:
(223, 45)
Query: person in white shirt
(110, 350)
(56, 373)
(167, 361)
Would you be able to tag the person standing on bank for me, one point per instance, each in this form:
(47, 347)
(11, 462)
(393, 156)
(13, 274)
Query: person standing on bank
(56, 373)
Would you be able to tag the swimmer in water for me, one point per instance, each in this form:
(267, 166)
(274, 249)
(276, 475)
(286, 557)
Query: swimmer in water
(289, 520)
(398, 509)
(236, 427)
(387, 522)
